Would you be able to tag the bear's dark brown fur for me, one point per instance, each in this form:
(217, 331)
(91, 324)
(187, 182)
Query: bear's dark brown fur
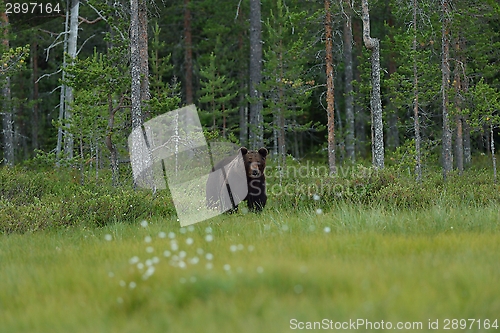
(217, 184)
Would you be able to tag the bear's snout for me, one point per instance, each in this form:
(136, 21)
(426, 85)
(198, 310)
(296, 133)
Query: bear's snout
(254, 170)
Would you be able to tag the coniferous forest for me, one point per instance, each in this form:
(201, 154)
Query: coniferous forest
(371, 199)
(339, 81)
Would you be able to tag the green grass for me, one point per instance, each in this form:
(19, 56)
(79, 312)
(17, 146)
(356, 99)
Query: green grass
(351, 262)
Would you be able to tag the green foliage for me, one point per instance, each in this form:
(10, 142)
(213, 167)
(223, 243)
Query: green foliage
(165, 96)
(32, 201)
(217, 93)
(13, 60)
(287, 85)
(486, 106)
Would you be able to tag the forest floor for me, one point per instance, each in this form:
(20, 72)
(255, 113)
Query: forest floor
(342, 268)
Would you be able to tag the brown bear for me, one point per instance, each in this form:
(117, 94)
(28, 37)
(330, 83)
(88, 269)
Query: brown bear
(236, 179)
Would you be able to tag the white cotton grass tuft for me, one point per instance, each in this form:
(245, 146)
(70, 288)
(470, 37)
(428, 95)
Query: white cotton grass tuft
(108, 237)
(134, 260)
(144, 223)
(194, 260)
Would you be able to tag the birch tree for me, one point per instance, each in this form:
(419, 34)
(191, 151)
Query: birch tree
(135, 64)
(373, 44)
(68, 91)
(445, 85)
(416, 120)
(188, 53)
(7, 117)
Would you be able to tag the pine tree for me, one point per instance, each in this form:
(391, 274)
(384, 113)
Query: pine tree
(485, 114)
(217, 93)
(286, 89)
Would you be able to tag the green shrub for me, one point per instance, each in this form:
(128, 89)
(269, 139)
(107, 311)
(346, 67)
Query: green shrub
(31, 201)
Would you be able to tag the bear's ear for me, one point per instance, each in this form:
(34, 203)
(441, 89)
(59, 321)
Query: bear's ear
(243, 150)
(263, 152)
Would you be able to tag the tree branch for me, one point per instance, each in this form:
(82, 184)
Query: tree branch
(84, 20)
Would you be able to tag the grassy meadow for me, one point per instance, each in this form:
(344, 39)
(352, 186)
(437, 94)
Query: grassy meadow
(312, 261)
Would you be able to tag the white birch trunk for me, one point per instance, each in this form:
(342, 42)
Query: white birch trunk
(373, 45)
(7, 125)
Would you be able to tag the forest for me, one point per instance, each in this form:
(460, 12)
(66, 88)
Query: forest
(294, 76)
(377, 123)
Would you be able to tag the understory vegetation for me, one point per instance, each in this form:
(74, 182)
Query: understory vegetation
(81, 255)
(51, 198)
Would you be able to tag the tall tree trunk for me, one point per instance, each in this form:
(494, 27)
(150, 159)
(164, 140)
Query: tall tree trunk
(445, 69)
(143, 50)
(256, 130)
(188, 53)
(34, 118)
(373, 45)
(360, 119)
(109, 143)
(392, 114)
(457, 84)
(467, 144)
(7, 114)
(68, 98)
(135, 65)
(416, 115)
(281, 111)
(60, 130)
(7, 124)
(330, 89)
(349, 98)
(243, 108)
(493, 157)
(144, 170)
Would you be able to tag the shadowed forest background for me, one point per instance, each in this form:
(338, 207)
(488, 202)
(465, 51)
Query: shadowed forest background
(259, 74)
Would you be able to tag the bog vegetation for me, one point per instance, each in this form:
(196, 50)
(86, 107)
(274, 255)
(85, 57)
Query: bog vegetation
(377, 247)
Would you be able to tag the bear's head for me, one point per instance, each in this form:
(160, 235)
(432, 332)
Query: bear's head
(255, 162)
